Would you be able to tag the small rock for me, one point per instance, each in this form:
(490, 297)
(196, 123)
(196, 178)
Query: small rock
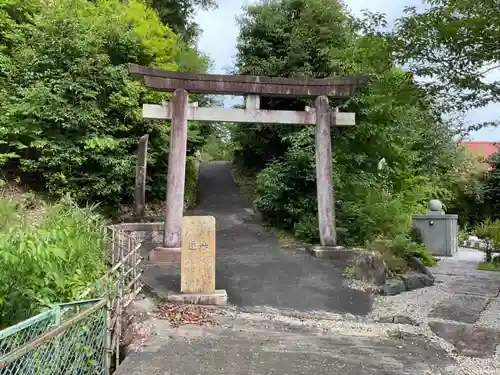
(402, 335)
(374, 290)
(394, 286)
(401, 319)
(370, 267)
(385, 319)
(419, 266)
(415, 280)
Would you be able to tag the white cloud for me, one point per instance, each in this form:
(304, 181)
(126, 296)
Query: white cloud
(220, 31)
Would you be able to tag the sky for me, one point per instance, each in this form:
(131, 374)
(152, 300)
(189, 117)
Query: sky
(220, 31)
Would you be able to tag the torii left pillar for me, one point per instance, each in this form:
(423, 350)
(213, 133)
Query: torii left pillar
(174, 205)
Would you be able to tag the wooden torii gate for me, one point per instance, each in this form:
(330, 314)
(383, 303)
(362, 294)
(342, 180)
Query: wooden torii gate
(180, 111)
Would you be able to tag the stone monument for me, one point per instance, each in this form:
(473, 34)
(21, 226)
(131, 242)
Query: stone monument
(437, 230)
(198, 263)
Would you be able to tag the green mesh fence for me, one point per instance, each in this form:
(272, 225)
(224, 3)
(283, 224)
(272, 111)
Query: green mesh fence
(69, 339)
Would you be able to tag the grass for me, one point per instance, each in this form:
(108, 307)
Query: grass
(246, 183)
(49, 252)
(286, 239)
(491, 266)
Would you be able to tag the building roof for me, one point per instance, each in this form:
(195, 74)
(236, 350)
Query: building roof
(484, 149)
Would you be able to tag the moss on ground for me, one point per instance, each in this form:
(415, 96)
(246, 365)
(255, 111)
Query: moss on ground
(491, 266)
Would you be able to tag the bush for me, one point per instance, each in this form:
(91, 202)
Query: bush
(191, 184)
(399, 251)
(489, 230)
(72, 116)
(53, 261)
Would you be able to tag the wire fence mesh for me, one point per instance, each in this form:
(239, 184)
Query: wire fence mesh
(82, 337)
(69, 339)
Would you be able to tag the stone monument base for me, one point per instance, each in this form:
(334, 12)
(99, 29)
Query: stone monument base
(219, 298)
(331, 252)
(165, 255)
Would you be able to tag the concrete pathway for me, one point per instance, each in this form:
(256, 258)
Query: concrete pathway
(260, 345)
(462, 308)
(252, 267)
(293, 314)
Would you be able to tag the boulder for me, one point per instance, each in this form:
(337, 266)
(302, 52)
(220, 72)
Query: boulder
(393, 287)
(419, 266)
(369, 266)
(414, 280)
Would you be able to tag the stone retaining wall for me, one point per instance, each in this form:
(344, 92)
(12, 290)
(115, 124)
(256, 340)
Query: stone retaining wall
(141, 231)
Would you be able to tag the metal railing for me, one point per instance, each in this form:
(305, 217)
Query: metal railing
(82, 337)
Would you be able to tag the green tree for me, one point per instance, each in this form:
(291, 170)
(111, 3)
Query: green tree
(286, 39)
(492, 187)
(454, 44)
(72, 115)
(178, 14)
(396, 121)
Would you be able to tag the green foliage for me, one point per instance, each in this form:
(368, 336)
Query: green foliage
(285, 38)
(469, 189)
(191, 184)
(399, 251)
(178, 14)
(489, 230)
(432, 42)
(72, 115)
(396, 122)
(219, 145)
(53, 261)
(492, 187)
(490, 266)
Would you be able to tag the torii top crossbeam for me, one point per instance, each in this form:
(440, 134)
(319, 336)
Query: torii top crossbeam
(164, 80)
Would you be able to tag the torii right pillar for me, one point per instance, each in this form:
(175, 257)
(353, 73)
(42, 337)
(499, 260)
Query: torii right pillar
(326, 196)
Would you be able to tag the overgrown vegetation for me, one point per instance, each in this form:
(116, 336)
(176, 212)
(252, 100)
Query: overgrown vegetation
(479, 207)
(48, 258)
(70, 119)
(71, 115)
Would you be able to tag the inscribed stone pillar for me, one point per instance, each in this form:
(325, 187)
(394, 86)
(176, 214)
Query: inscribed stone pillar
(198, 254)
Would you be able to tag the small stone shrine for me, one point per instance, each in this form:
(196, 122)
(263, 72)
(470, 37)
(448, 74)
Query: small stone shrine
(437, 230)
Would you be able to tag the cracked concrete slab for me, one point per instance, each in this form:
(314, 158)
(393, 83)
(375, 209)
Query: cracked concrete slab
(476, 286)
(461, 308)
(469, 340)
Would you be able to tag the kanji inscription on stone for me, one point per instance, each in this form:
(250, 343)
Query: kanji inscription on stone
(198, 254)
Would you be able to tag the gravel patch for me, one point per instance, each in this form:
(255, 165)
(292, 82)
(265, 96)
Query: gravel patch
(415, 304)
(490, 317)
(465, 365)
(480, 366)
